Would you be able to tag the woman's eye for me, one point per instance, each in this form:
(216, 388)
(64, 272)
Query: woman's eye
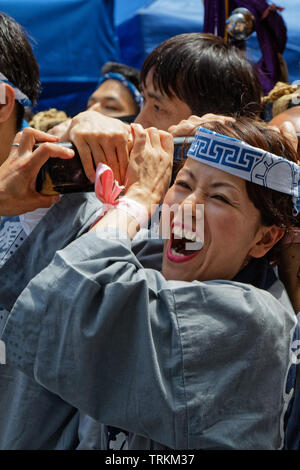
(157, 108)
(221, 198)
(183, 184)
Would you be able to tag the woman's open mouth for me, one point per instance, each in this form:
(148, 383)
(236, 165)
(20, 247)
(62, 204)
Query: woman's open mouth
(180, 246)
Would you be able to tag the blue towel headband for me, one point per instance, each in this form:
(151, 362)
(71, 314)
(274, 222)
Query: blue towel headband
(130, 86)
(19, 95)
(247, 162)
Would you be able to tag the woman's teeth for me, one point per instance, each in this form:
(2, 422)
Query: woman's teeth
(176, 253)
(181, 232)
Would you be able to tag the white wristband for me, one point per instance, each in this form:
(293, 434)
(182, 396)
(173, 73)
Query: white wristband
(133, 208)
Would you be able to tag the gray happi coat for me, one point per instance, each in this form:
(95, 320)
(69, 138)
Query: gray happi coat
(182, 365)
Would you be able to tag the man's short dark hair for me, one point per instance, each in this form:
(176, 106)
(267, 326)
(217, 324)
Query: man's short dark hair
(206, 73)
(130, 73)
(17, 61)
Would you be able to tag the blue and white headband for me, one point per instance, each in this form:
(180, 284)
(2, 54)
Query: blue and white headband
(130, 86)
(19, 95)
(247, 162)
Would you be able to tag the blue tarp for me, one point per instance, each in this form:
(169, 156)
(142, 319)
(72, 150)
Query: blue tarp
(152, 24)
(72, 39)
(125, 10)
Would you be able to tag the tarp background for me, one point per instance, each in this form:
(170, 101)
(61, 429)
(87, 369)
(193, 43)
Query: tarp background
(71, 40)
(74, 38)
(156, 21)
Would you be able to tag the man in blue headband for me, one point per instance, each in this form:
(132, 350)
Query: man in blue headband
(117, 94)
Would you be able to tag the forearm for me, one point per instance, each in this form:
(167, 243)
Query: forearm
(130, 214)
(119, 220)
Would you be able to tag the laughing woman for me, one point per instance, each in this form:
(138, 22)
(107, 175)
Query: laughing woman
(197, 354)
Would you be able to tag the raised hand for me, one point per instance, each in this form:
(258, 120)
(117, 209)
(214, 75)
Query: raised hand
(18, 173)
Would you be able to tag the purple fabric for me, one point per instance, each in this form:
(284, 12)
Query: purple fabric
(271, 34)
(214, 16)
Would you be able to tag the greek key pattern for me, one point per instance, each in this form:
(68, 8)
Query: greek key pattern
(247, 162)
(223, 153)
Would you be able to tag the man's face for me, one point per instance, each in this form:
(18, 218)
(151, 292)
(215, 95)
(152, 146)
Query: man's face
(113, 99)
(158, 109)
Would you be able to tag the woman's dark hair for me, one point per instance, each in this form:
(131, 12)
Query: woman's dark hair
(17, 61)
(206, 73)
(276, 208)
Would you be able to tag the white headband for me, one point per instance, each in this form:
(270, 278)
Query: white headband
(247, 162)
(19, 95)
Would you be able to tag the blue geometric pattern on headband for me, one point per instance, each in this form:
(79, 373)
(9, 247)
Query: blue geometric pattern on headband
(228, 154)
(130, 86)
(247, 162)
(19, 95)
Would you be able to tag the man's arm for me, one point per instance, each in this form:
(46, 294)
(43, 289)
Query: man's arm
(18, 173)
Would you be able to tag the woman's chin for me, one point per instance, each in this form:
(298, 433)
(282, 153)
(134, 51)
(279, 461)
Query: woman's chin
(178, 266)
(175, 272)
(172, 275)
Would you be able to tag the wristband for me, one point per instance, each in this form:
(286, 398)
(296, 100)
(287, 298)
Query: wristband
(133, 208)
(107, 190)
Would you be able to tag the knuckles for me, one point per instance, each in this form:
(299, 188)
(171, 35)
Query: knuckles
(28, 131)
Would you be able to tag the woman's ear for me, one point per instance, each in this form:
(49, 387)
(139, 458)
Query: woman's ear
(268, 237)
(7, 102)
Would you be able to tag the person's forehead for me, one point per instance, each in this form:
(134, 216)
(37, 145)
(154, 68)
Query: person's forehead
(113, 88)
(202, 171)
(151, 87)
